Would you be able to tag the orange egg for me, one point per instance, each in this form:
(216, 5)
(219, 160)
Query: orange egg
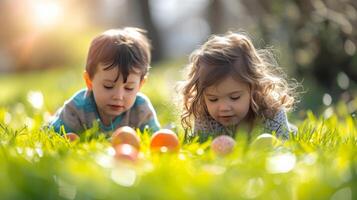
(126, 152)
(164, 140)
(223, 145)
(71, 136)
(125, 135)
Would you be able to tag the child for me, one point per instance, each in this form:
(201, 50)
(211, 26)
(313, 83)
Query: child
(117, 65)
(232, 85)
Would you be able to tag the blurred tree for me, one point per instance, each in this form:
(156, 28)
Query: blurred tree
(144, 12)
(216, 16)
(135, 13)
(10, 29)
(321, 34)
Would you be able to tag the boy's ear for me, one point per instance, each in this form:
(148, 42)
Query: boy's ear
(87, 80)
(142, 82)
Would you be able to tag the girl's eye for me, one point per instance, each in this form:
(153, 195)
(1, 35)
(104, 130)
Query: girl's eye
(212, 100)
(235, 98)
(108, 87)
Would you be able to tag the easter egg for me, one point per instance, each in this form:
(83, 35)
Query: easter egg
(265, 141)
(126, 152)
(125, 135)
(71, 136)
(164, 140)
(223, 145)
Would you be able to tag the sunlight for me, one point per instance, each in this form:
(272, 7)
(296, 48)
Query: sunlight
(105, 160)
(35, 98)
(111, 151)
(7, 118)
(46, 13)
(124, 176)
(253, 188)
(66, 189)
(281, 163)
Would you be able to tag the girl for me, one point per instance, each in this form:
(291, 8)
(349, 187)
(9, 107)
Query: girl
(232, 85)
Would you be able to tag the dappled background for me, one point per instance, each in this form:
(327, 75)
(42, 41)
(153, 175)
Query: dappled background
(43, 45)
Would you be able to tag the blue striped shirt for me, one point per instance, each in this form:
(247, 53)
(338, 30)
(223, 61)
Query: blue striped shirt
(80, 113)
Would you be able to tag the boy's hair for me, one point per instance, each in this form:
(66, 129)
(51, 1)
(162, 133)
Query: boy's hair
(233, 54)
(127, 48)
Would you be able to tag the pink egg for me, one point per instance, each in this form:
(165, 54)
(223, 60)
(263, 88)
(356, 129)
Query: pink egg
(223, 145)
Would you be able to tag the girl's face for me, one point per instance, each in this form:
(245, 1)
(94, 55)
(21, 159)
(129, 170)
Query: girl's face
(228, 102)
(114, 97)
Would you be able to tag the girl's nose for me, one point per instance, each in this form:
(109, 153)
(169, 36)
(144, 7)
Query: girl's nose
(224, 107)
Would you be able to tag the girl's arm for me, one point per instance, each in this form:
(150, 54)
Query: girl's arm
(280, 125)
(208, 127)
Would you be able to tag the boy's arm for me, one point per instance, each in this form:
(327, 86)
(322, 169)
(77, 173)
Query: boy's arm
(152, 123)
(149, 114)
(67, 117)
(151, 120)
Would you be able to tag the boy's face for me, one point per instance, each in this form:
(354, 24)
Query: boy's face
(228, 102)
(114, 98)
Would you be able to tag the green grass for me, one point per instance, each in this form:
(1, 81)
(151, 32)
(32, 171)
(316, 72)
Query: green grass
(320, 162)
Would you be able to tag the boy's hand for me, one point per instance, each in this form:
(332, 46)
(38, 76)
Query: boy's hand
(71, 137)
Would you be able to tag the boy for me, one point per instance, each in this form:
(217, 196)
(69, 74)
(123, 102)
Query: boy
(117, 65)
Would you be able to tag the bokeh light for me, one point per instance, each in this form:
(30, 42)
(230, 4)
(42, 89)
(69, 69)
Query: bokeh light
(35, 98)
(46, 13)
(327, 99)
(281, 163)
(343, 81)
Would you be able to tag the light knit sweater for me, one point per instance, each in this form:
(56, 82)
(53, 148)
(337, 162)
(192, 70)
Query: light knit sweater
(208, 127)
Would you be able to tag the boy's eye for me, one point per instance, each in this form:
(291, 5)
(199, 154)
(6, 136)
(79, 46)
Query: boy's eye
(108, 87)
(235, 98)
(130, 89)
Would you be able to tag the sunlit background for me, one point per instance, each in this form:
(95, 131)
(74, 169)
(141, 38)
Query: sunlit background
(43, 47)
(314, 41)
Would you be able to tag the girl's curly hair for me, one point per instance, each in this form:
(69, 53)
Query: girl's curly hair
(234, 54)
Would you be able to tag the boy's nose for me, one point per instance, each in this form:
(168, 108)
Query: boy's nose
(118, 95)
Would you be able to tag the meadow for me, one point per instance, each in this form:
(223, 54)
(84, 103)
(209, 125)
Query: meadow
(319, 162)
